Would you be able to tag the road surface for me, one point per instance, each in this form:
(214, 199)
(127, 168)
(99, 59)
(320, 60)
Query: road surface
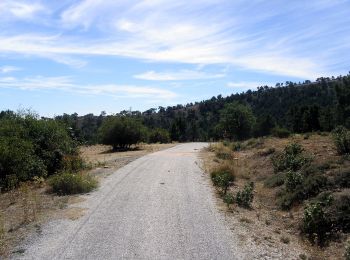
(160, 206)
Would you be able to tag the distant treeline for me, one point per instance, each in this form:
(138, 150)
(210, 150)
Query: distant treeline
(32, 147)
(295, 107)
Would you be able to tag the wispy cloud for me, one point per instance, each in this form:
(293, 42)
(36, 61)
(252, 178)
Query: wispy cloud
(8, 69)
(177, 76)
(52, 46)
(68, 85)
(20, 9)
(266, 36)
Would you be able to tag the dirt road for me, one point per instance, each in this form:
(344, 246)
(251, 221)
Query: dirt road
(160, 206)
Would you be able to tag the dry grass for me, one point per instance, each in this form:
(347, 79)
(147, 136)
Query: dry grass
(3, 246)
(26, 209)
(253, 163)
(98, 155)
(22, 211)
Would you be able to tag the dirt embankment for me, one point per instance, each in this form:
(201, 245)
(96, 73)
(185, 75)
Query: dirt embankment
(266, 223)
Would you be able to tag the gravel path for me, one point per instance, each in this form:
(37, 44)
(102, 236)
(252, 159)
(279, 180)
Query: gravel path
(160, 206)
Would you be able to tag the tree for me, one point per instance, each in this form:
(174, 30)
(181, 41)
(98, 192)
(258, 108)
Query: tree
(31, 147)
(159, 135)
(236, 121)
(304, 119)
(121, 132)
(264, 125)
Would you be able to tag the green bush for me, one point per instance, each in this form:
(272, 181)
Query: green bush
(159, 135)
(342, 178)
(292, 180)
(73, 163)
(275, 180)
(244, 198)
(121, 132)
(10, 182)
(67, 183)
(223, 178)
(315, 223)
(51, 141)
(291, 159)
(341, 137)
(229, 199)
(280, 132)
(18, 161)
(31, 147)
(339, 211)
(311, 185)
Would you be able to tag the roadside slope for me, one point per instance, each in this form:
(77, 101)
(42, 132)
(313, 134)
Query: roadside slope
(160, 206)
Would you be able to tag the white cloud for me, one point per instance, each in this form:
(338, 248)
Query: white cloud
(20, 9)
(8, 69)
(63, 50)
(68, 85)
(86, 12)
(195, 32)
(173, 76)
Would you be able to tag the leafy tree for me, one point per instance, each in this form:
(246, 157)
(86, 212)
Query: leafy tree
(237, 121)
(264, 125)
(342, 89)
(159, 135)
(121, 131)
(304, 119)
(30, 146)
(19, 160)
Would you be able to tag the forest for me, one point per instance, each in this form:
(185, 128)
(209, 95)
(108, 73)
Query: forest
(286, 108)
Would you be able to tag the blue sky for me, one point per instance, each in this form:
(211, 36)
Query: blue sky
(109, 55)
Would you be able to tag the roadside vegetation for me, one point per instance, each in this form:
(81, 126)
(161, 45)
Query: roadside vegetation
(33, 148)
(269, 137)
(301, 185)
(66, 183)
(41, 167)
(223, 176)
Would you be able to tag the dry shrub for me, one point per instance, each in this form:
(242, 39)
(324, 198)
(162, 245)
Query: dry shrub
(221, 151)
(29, 203)
(68, 183)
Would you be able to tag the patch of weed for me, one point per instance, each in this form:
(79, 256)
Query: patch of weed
(67, 183)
